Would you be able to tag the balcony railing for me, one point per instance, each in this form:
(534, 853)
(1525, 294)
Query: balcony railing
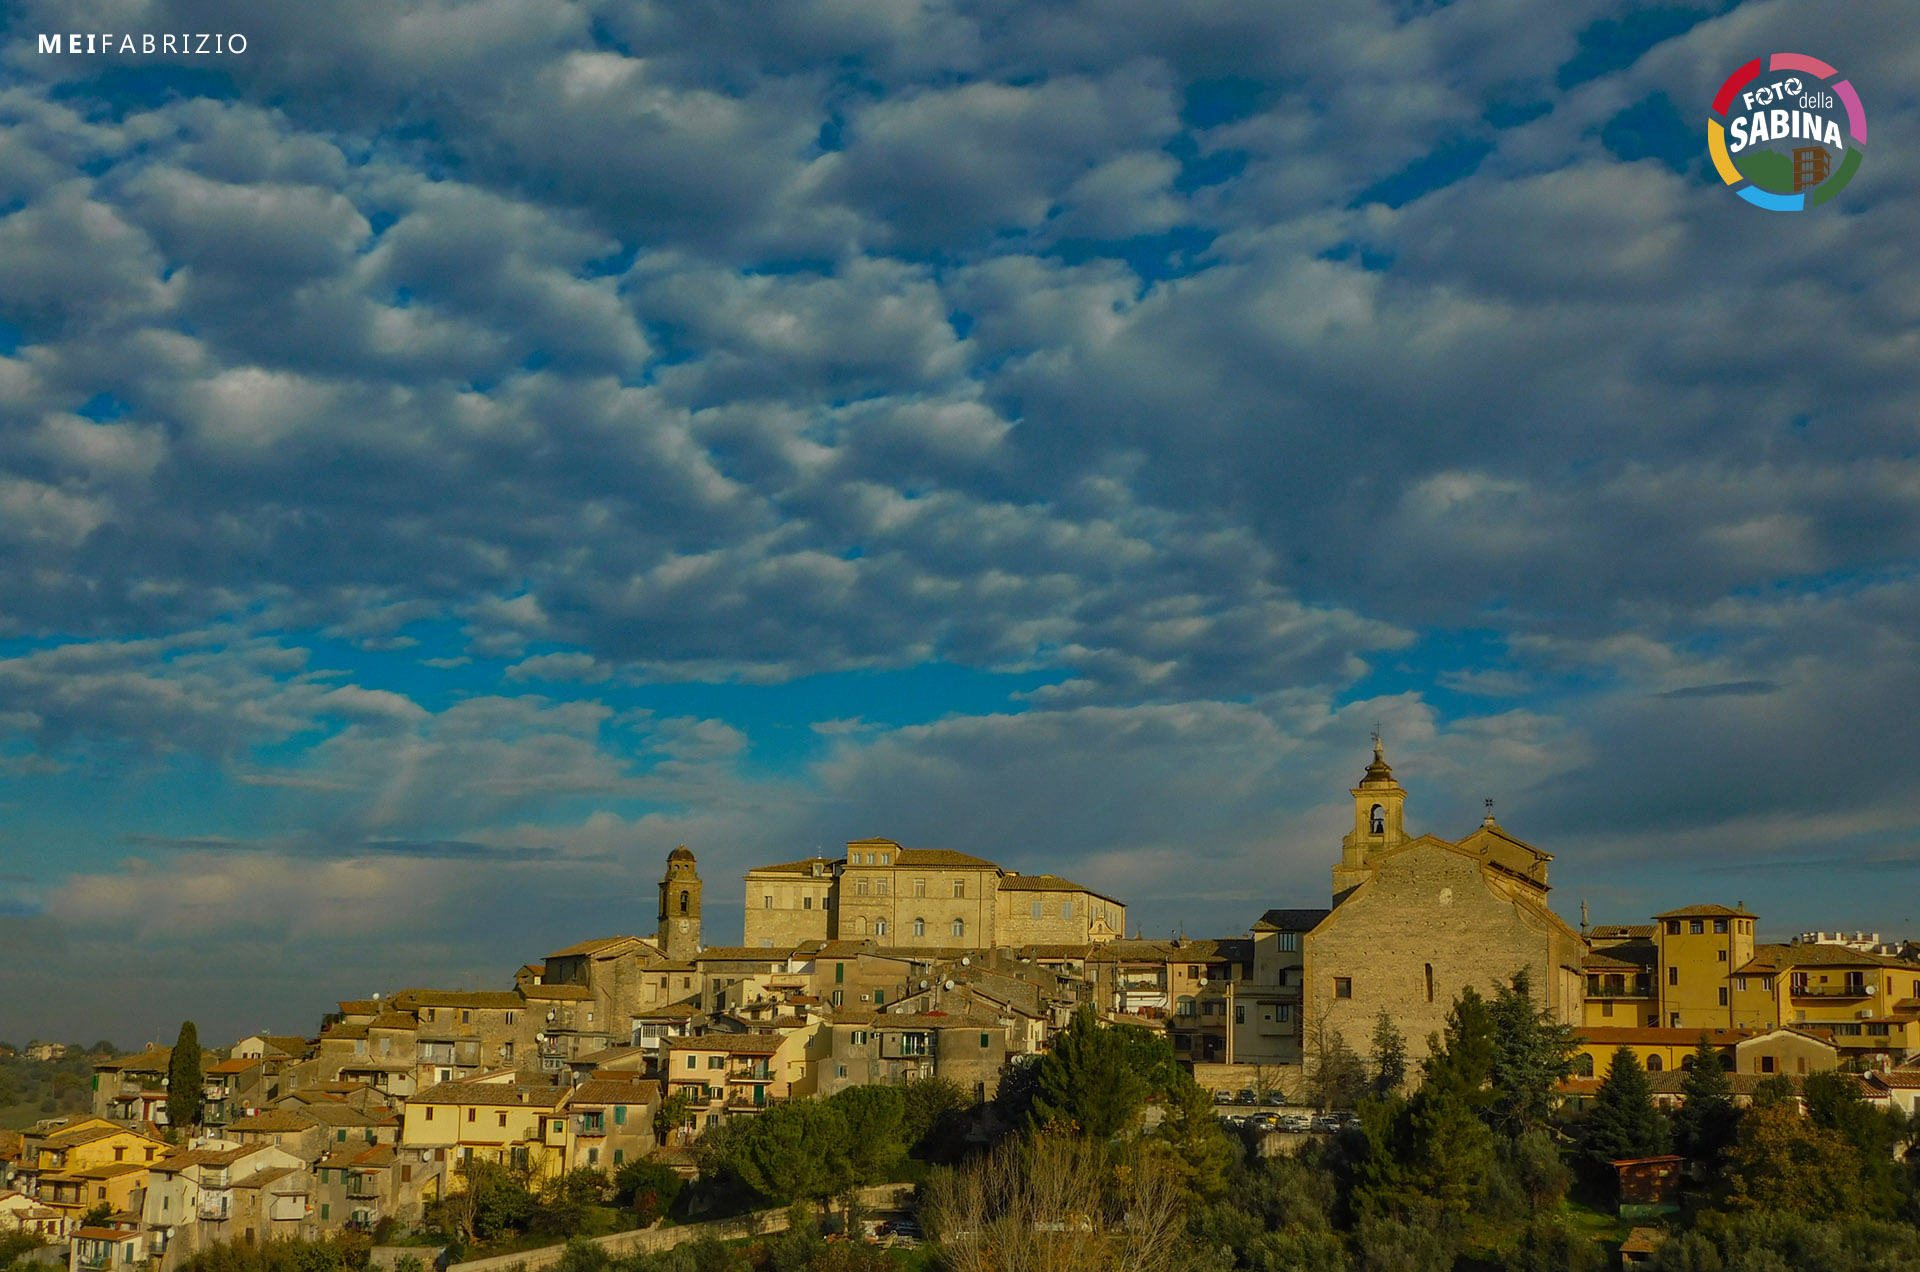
(213, 1209)
(1831, 991)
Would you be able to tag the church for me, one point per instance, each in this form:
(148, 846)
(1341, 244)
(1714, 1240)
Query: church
(1415, 920)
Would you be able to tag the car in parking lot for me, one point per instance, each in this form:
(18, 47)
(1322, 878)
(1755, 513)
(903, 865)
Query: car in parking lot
(1247, 1096)
(1223, 1097)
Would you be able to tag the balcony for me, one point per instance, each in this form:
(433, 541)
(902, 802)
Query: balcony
(363, 1190)
(1832, 991)
(210, 1209)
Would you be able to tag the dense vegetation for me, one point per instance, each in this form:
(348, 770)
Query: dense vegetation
(35, 1089)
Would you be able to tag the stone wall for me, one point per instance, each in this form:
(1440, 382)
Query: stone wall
(1427, 925)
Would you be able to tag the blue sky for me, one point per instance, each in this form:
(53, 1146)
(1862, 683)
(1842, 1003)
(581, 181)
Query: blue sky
(452, 453)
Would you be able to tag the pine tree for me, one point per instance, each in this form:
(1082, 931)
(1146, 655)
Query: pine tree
(1389, 1056)
(1532, 1053)
(184, 1079)
(1624, 1122)
(1087, 1080)
(1705, 1126)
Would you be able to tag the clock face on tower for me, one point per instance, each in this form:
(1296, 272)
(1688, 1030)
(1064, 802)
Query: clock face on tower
(683, 925)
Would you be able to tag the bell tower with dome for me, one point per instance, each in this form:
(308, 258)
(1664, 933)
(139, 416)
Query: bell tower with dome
(679, 933)
(1377, 827)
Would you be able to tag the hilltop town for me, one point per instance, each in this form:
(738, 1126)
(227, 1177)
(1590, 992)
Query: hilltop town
(890, 965)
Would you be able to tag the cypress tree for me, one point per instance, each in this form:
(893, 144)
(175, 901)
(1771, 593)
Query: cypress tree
(1389, 1055)
(1624, 1122)
(1705, 1127)
(184, 1079)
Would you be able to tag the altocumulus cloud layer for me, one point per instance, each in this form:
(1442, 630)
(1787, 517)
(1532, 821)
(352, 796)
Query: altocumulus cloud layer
(452, 453)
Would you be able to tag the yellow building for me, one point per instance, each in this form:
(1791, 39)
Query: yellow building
(1868, 1005)
(496, 1118)
(729, 1075)
(1658, 1050)
(1699, 947)
(920, 898)
(89, 1163)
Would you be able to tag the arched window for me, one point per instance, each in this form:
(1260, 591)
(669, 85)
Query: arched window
(879, 927)
(1655, 1064)
(1583, 1065)
(919, 927)
(1378, 820)
(684, 898)
(959, 927)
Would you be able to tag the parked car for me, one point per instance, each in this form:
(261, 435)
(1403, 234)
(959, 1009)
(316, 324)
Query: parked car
(1247, 1096)
(1223, 1097)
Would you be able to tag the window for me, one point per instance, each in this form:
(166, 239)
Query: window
(1583, 1065)
(959, 928)
(512, 1016)
(959, 889)
(326, 1211)
(839, 973)
(716, 1062)
(879, 927)
(593, 1156)
(886, 858)
(693, 1061)
(501, 1116)
(473, 1114)
(1766, 1064)
(1673, 927)
(1740, 983)
(880, 887)
(1066, 909)
(919, 927)
(466, 1017)
(1429, 982)
(1283, 1013)
(860, 887)
(340, 1136)
(839, 1070)
(879, 996)
(619, 1156)
(1239, 1013)
(1722, 954)
(1719, 927)
(1343, 987)
(766, 901)
(429, 1112)
(985, 1041)
(1289, 942)
(1036, 909)
(806, 903)
(837, 997)
(1673, 975)
(1655, 1064)
(1723, 995)
(619, 1115)
(1606, 1009)
(559, 1126)
(1673, 1020)
(1696, 926)
(919, 887)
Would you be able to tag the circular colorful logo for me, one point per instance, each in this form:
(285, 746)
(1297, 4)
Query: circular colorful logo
(1786, 132)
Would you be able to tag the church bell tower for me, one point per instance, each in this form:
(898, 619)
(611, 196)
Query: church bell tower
(1377, 826)
(679, 933)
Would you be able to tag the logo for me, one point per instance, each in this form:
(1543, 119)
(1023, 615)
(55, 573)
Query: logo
(1786, 132)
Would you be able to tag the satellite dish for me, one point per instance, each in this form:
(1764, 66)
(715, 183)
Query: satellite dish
(550, 1015)
(949, 985)
(923, 984)
(966, 962)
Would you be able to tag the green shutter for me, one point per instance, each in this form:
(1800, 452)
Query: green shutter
(326, 1211)
(839, 973)
(619, 1115)
(983, 1040)
(619, 1156)
(879, 996)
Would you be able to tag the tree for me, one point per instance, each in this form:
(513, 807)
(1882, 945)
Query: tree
(567, 1201)
(1836, 1103)
(1197, 1146)
(1336, 1076)
(933, 1116)
(1092, 1077)
(1624, 1123)
(1462, 1058)
(1782, 1161)
(795, 1152)
(1706, 1125)
(185, 1080)
(492, 1200)
(1389, 1055)
(675, 1114)
(1532, 1053)
(647, 1187)
(875, 1117)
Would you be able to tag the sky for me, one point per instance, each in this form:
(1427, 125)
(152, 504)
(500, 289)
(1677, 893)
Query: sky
(452, 453)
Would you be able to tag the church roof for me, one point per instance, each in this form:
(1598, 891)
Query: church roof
(1291, 920)
(680, 854)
